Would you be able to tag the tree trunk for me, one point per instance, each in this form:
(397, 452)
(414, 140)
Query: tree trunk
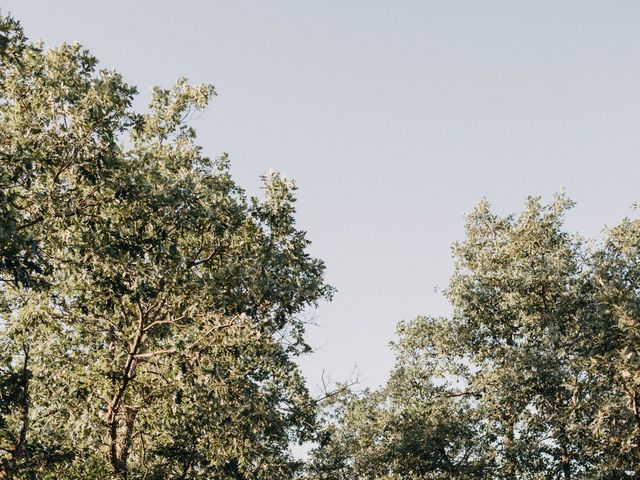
(7, 469)
(636, 414)
(120, 443)
(9, 466)
(507, 444)
(566, 463)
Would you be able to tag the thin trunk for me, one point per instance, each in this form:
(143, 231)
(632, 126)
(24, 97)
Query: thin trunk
(9, 466)
(22, 438)
(566, 462)
(120, 443)
(507, 444)
(635, 400)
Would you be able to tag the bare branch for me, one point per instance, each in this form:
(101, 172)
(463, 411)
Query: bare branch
(155, 353)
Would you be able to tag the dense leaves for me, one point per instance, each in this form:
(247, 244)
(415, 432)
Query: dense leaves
(151, 312)
(534, 375)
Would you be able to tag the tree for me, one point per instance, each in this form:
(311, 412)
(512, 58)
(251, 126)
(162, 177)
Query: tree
(415, 427)
(527, 377)
(517, 305)
(613, 346)
(160, 338)
(57, 136)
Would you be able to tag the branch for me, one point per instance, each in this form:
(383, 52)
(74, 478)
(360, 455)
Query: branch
(342, 388)
(160, 322)
(30, 224)
(195, 263)
(170, 351)
(118, 461)
(25, 405)
(154, 353)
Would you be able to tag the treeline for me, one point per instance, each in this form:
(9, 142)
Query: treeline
(536, 375)
(151, 315)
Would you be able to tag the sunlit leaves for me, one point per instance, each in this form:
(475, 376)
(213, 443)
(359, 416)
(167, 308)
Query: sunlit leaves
(161, 308)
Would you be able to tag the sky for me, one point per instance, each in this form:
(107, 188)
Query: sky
(395, 118)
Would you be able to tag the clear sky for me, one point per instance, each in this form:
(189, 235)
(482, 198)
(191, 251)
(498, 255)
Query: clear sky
(395, 118)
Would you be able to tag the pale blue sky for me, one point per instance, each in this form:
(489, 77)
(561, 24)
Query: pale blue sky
(395, 118)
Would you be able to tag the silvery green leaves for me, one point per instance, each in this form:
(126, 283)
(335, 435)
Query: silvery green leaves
(534, 375)
(159, 338)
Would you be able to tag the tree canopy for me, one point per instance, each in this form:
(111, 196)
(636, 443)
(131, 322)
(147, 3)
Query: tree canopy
(151, 314)
(533, 376)
(151, 311)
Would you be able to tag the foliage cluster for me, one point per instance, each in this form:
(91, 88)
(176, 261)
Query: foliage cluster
(534, 376)
(150, 313)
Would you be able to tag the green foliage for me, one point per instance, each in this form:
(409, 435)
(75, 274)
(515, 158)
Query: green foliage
(534, 376)
(151, 312)
(613, 347)
(413, 428)
(517, 306)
